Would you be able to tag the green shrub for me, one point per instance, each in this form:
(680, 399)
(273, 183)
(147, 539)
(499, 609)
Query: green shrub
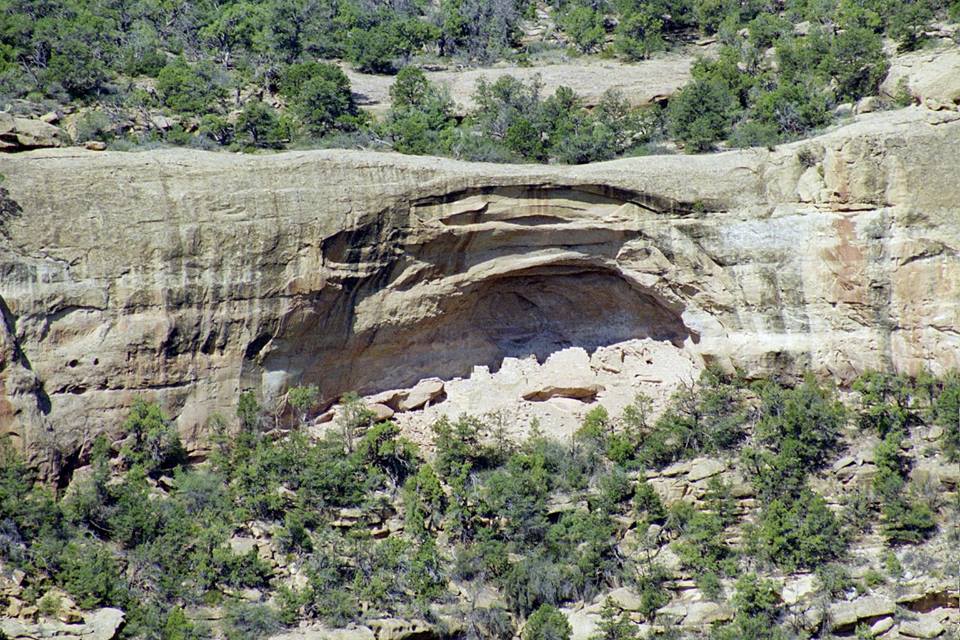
(248, 621)
(259, 126)
(584, 26)
(89, 573)
(800, 533)
(806, 419)
(908, 520)
(191, 89)
(639, 34)
(701, 114)
(152, 441)
(757, 603)
(946, 414)
(614, 624)
(420, 115)
(703, 418)
(547, 623)
(322, 98)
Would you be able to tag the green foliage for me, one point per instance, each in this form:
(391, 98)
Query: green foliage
(886, 402)
(757, 603)
(152, 442)
(547, 623)
(258, 126)
(704, 418)
(420, 115)
(191, 89)
(584, 25)
(639, 34)
(321, 96)
(424, 501)
(702, 546)
(946, 414)
(248, 411)
(797, 533)
(614, 624)
(249, 621)
(701, 114)
(809, 415)
(857, 63)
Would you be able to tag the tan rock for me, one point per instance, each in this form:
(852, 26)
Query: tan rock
(881, 626)
(922, 627)
(366, 272)
(95, 145)
(703, 468)
(104, 624)
(701, 614)
(646, 82)
(380, 412)
(322, 633)
(19, 134)
(846, 614)
(583, 623)
(424, 392)
(399, 629)
(932, 77)
(626, 599)
(798, 588)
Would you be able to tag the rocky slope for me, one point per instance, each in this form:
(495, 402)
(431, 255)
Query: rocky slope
(188, 277)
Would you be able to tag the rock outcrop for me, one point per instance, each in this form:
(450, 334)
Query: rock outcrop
(20, 134)
(187, 277)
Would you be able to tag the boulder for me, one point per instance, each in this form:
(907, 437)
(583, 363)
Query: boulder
(932, 77)
(847, 614)
(797, 588)
(626, 599)
(322, 633)
(583, 623)
(701, 614)
(425, 391)
(103, 624)
(380, 412)
(21, 134)
(703, 468)
(922, 627)
(881, 626)
(400, 629)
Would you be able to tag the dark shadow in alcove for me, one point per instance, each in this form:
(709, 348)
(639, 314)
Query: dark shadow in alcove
(532, 312)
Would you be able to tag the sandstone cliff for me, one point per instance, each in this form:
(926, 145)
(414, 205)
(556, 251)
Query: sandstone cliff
(188, 276)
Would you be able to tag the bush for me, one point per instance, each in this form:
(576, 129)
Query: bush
(757, 603)
(701, 114)
(584, 26)
(857, 63)
(191, 89)
(258, 126)
(547, 623)
(946, 414)
(246, 621)
(420, 115)
(639, 34)
(808, 419)
(704, 418)
(152, 442)
(321, 96)
(799, 533)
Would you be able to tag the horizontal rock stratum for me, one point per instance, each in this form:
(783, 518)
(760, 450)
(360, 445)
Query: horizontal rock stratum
(187, 277)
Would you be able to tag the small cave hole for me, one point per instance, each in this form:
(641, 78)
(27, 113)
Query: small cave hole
(73, 363)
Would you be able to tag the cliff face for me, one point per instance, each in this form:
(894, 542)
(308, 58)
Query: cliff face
(188, 276)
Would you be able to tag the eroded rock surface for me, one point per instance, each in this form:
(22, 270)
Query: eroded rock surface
(187, 277)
